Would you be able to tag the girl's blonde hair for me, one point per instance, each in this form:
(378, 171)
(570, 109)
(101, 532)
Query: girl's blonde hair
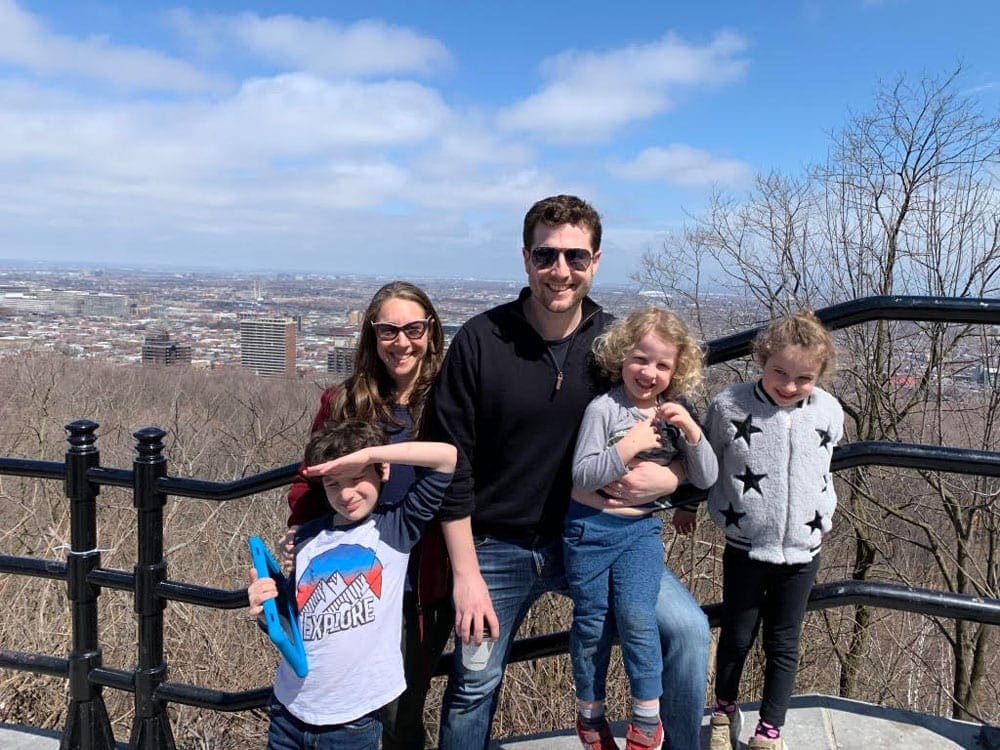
(801, 329)
(612, 346)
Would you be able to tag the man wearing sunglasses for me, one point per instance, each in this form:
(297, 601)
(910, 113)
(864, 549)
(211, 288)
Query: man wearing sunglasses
(510, 396)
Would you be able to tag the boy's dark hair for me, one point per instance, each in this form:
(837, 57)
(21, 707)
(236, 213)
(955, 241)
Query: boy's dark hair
(340, 438)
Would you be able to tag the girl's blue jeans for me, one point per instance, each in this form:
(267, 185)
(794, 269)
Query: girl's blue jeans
(517, 572)
(613, 569)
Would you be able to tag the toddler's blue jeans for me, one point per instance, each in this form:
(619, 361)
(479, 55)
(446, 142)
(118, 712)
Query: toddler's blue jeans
(613, 570)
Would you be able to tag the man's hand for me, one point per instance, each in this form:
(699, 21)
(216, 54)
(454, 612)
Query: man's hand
(645, 481)
(474, 614)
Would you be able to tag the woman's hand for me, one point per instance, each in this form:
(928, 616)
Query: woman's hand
(286, 546)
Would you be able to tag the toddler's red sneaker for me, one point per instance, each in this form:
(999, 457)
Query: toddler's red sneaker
(636, 739)
(596, 739)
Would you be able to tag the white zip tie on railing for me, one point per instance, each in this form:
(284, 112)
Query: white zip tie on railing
(83, 551)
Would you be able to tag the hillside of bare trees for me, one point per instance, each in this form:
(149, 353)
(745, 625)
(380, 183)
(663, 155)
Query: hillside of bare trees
(222, 426)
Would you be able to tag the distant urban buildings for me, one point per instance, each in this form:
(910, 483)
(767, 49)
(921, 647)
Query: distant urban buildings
(65, 302)
(208, 311)
(340, 358)
(267, 345)
(159, 349)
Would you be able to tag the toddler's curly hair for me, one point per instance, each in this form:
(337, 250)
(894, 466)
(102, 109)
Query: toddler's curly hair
(614, 344)
(799, 329)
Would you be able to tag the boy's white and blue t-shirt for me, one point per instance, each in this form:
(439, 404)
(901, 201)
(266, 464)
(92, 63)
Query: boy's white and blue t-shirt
(348, 592)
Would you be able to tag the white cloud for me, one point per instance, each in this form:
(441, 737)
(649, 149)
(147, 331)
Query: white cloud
(265, 124)
(280, 152)
(316, 45)
(590, 95)
(300, 114)
(683, 165)
(363, 48)
(501, 188)
(331, 142)
(24, 41)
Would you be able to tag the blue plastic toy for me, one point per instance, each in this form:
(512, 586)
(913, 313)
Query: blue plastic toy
(282, 628)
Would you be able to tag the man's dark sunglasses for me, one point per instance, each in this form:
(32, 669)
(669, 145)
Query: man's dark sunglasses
(412, 330)
(577, 258)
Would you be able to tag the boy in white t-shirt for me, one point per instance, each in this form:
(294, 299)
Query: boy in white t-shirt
(349, 573)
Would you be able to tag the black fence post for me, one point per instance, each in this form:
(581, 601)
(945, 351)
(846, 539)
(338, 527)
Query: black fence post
(151, 725)
(87, 723)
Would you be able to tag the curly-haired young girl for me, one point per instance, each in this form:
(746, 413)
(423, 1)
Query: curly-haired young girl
(613, 551)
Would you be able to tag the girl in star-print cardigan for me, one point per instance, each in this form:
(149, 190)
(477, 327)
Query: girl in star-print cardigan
(773, 500)
(774, 497)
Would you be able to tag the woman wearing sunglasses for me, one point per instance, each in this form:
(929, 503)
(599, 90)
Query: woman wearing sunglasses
(399, 353)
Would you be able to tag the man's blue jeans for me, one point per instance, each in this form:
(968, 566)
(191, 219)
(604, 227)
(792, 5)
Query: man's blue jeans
(517, 573)
(286, 732)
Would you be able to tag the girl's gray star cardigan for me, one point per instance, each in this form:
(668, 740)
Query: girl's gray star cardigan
(774, 497)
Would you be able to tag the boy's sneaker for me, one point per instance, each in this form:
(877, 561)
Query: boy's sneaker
(636, 739)
(596, 739)
(725, 731)
(763, 743)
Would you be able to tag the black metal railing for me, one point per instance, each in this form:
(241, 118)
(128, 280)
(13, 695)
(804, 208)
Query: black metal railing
(87, 724)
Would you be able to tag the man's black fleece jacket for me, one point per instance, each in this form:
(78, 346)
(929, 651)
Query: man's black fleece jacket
(497, 400)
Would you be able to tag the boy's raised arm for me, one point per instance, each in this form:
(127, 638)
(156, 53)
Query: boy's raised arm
(437, 456)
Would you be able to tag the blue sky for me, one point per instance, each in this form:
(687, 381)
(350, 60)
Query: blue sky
(408, 138)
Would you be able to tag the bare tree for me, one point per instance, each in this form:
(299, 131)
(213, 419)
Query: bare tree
(905, 203)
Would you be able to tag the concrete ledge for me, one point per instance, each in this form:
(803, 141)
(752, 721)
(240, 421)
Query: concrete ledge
(821, 722)
(815, 722)
(14, 737)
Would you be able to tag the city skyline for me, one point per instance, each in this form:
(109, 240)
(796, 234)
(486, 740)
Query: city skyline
(257, 137)
(200, 319)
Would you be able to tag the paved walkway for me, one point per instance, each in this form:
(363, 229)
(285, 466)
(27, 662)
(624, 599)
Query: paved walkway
(819, 722)
(815, 722)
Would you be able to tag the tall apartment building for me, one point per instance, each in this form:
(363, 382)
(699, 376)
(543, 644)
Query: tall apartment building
(267, 345)
(340, 359)
(158, 349)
